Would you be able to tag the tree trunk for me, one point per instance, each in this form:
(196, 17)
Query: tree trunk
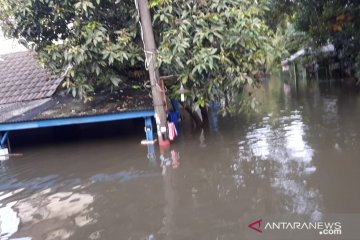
(194, 115)
(205, 118)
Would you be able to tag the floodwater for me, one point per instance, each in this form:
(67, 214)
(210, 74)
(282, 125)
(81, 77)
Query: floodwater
(298, 155)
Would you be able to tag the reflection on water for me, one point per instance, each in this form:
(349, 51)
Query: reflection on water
(330, 111)
(281, 147)
(44, 215)
(295, 157)
(9, 221)
(57, 209)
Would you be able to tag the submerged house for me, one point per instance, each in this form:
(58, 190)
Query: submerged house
(329, 63)
(30, 98)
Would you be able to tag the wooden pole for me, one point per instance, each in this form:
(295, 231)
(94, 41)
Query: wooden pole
(157, 88)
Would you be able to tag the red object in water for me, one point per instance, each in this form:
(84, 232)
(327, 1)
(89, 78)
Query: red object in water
(164, 143)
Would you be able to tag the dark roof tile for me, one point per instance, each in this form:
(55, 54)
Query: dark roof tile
(23, 79)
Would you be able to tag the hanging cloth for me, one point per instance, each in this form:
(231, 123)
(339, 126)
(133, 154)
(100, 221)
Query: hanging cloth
(172, 131)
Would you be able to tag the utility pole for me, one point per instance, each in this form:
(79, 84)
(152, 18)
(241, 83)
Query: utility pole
(157, 86)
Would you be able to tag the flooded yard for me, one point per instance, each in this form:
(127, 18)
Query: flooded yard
(298, 156)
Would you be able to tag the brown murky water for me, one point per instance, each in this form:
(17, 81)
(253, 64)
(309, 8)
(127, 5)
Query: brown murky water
(298, 156)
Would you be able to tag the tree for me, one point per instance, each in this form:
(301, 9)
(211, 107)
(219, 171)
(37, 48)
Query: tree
(92, 43)
(326, 22)
(333, 21)
(281, 12)
(215, 47)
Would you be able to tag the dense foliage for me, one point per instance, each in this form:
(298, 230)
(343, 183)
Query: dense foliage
(324, 22)
(214, 46)
(92, 43)
(336, 22)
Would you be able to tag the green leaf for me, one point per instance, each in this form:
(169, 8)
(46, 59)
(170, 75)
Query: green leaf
(115, 80)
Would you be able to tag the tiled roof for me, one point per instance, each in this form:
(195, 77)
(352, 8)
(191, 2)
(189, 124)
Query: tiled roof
(15, 110)
(27, 93)
(23, 79)
(65, 106)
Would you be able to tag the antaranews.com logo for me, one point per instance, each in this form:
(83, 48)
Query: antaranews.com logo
(323, 228)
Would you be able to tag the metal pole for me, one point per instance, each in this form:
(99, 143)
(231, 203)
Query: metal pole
(149, 129)
(8, 144)
(157, 89)
(4, 138)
